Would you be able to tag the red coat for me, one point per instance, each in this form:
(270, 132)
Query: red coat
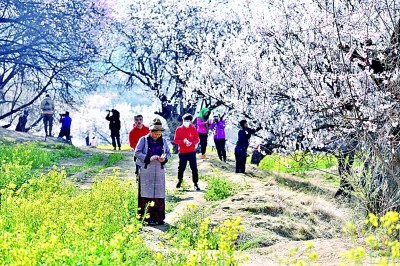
(190, 134)
(136, 134)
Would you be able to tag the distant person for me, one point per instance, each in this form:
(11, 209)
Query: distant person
(22, 120)
(87, 140)
(186, 137)
(152, 153)
(139, 130)
(47, 107)
(115, 126)
(93, 142)
(203, 126)
(242, 144)
(218, 128)
(65, 131)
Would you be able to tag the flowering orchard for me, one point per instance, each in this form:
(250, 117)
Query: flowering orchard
(303, 71)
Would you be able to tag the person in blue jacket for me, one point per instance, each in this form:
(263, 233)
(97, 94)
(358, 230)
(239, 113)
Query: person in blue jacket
(65, 121)
(242, 144)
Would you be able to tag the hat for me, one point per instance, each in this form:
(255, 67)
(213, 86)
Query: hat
(156, 125)
(187, 116)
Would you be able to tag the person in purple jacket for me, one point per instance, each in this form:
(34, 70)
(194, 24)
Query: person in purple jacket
(218, 127)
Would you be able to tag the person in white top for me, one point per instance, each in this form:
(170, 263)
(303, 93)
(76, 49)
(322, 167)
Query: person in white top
(93, 142)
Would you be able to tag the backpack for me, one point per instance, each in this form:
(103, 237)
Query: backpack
(47, 104)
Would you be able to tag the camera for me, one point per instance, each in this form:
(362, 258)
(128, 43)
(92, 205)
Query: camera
(108, 110)
(62, 114)
(215, 118)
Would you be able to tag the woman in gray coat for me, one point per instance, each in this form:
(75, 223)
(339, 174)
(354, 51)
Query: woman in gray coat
(152, 153)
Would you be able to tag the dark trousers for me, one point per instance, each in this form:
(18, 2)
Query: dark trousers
(203, 142)
(240, 157)
(137, 167)
(48, 121)
(65, 133)
(183, 159)
(220, 146)
(115, 137)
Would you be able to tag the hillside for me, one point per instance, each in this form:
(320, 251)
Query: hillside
(280, 212)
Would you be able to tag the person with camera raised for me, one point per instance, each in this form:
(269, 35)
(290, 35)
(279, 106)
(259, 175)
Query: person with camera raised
(152, 153)
(203, 127)
(65, 121)
(242, 144)
(218, 128)
(115, 126)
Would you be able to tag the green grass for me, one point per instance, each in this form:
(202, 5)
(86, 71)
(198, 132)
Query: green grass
(113, 159)
(297, 162)
(20, 162)
(94, 161)
(89, 162)
(219, 188)
(65, 151)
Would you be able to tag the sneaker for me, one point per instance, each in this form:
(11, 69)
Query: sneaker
(178, 185)
(119, 148)
(114, 148)
(160, 222)
(196, 187)
(203, 156)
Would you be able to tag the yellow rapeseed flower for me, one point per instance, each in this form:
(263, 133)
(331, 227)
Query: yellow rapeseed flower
(373, 219)
(11, 186)
(371, 241)
(309, 244)
(159, 256)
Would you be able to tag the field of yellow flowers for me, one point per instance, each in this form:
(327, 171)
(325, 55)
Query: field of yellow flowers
(45, 219)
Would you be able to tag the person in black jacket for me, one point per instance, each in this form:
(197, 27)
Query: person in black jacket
(242, 144)
(115, 126)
